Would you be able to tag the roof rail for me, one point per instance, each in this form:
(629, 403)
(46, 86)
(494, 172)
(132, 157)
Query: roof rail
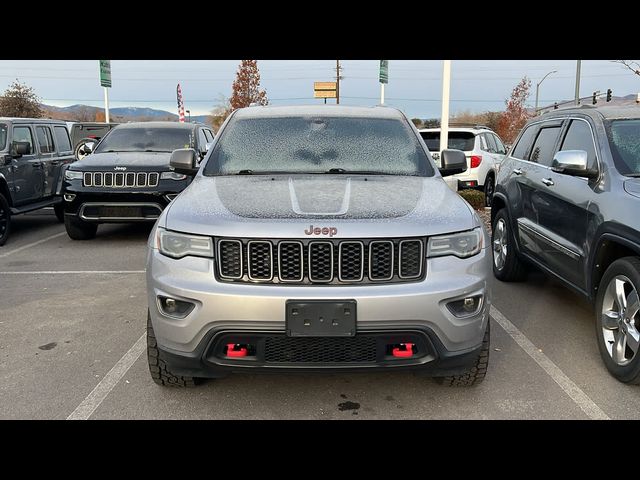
(468, 125)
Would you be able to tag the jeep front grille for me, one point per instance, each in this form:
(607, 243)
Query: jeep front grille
(120, 179)
(320, 261)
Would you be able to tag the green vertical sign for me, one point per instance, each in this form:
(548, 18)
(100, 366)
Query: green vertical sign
(105, 73)
(384, 71)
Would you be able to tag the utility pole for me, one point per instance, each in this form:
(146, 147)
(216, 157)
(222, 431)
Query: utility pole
(577, 98)
(337, 82)
(444, 120)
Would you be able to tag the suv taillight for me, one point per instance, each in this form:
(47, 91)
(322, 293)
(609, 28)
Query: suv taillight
(475, 161)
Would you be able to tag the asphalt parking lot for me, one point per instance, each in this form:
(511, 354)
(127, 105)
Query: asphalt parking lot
(71, 346)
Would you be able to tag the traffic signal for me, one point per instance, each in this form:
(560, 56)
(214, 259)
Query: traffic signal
(608, 95)
(594, 100)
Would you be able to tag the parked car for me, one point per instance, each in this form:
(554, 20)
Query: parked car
(482, 147)
(84, 132)
(318, 238)
(127, 177)
(32, 155)
(567, 201)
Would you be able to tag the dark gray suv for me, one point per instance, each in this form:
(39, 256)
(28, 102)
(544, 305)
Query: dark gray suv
(567, 200)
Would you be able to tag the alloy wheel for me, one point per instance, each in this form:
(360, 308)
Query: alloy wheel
(500, 244)
(620, 320)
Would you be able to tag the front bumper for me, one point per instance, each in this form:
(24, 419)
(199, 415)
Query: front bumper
(253, 309)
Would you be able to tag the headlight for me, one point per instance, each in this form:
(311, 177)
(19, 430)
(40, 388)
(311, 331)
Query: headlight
(72, 175)
(462, 245)
(172, 176)
(178, 245)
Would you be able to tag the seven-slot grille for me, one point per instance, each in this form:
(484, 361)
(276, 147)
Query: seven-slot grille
(120, 179)
(320, 261)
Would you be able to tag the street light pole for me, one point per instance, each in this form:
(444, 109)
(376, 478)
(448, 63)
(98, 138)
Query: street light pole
(538, 88)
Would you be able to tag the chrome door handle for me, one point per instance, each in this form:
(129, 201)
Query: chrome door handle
(517, 171)
(548, 182)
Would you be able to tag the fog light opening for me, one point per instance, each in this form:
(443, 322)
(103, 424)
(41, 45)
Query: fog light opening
(172, 307)
(69, 197)
(466, 307)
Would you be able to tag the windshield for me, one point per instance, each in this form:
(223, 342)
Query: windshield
(3, 135)
(457, 140)
(318, 145)
(146, 139)
(624, 139)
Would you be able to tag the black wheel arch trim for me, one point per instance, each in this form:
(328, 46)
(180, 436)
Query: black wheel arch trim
(618, 233)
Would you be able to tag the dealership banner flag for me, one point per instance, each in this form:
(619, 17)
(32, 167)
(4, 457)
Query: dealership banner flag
(180, 105)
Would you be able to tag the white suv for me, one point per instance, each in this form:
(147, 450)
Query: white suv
(482, 147)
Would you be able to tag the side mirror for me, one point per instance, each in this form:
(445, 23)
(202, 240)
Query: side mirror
(21, 148)
(85, 147)
(572, 162)
(184, 160)
(452, 162)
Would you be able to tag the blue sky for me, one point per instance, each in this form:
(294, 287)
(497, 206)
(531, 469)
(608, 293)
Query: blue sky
(414, 86)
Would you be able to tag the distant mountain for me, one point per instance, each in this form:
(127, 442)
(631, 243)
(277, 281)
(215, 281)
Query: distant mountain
(86, 113)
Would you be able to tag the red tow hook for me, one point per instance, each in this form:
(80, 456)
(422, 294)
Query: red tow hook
(403, 350)
(236, 350)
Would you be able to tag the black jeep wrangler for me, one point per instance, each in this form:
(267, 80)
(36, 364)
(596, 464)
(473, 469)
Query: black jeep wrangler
(33, 152)
(127, 177)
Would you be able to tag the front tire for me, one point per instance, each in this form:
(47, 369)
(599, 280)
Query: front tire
(160, 374)
(79, 230)
(475, 375)
(618, 319)
(5, 220)
(507, 265)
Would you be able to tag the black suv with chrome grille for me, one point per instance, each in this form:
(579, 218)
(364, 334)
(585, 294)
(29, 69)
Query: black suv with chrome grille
(127, 178)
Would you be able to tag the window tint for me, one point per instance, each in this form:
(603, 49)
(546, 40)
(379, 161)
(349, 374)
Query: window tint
(316, 144)
(45, 140)
(579, 137)
(542, 151)
(209, 135)
(491, 143)
(459, 140)
(499, 145)
(3, 135)
(524, 143)
(23, 134)
(202, 140)
(62, 139)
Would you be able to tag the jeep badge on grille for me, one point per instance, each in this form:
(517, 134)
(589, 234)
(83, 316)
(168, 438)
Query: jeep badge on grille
(120, 168)
(331, 231)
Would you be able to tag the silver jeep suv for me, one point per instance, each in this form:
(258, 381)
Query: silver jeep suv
(318, 238)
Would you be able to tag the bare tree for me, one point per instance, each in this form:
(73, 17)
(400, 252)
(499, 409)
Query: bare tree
(20, 100)
(631, 65)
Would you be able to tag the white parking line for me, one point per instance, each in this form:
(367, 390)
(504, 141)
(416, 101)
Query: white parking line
(72, 272)
(29, 245)
(576, 394)
(110, 380)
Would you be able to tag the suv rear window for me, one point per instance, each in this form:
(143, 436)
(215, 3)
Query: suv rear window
(524, 143)
(458, 140)
(316, 144)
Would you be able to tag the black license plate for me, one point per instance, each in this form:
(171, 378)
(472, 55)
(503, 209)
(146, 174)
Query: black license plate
(321, 318)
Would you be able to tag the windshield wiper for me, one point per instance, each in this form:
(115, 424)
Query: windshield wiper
(633, 175)
(245, 172)
(356, 172)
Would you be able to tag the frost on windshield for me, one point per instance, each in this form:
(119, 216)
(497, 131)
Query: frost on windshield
(625, 143)
(318, 144)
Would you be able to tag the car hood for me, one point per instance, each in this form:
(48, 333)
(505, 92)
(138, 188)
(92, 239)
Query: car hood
(133, 160)
(285, 206)
(632, 186)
